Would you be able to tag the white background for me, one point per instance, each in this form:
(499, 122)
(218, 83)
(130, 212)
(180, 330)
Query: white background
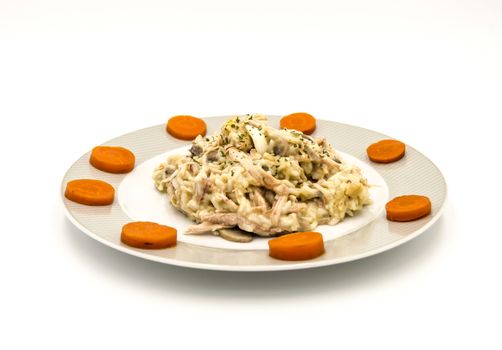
(74, 74)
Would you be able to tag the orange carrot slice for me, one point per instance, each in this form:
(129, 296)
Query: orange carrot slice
(112, 159)
(408, 208)
(90, 192)
(148, 235)
(386, 151)
(297, 246)
(303, 122)
(186, 127)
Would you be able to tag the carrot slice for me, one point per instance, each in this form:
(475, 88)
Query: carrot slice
(408, 208)
(386, 151)
(186, 127)
(148, 235)
(112, 159)
(90, 192)
(297, 246)
(303, 122)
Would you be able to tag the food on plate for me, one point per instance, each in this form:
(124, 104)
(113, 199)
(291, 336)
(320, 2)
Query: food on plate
(112, 159)
(258, 179)
(303, 122)
(148, 235)
(297, 246)
(408, 208)
(90, 192)
(386, 151)
(186, 127)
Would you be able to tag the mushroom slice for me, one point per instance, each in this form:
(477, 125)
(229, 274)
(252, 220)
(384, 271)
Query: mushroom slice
(235, 235)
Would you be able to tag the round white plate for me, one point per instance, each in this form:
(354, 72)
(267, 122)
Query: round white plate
(365, 234)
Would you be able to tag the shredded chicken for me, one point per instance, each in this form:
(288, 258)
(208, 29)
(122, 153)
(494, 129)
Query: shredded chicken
(258, 179)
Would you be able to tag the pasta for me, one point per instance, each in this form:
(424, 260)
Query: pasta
(255, 178)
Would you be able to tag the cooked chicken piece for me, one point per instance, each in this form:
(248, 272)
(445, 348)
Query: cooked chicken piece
(261, 176)
(258, 201)
(259, 141)
(275, 213)
(200, 188)
(204, 228)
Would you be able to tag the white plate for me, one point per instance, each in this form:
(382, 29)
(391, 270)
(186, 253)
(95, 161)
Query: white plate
(139, 199)
(365, 234)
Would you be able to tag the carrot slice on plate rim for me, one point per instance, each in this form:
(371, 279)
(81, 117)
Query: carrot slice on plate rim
(148, 235)
(90, 192)
(297, 246)
(300, 121)
(408, 208)
(186, 127)
(386, 151)
(112, 159)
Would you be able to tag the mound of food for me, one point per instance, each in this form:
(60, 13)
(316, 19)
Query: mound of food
(254, 178)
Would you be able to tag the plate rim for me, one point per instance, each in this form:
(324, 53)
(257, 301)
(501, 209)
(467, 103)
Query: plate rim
(302, 265)
(287, 266)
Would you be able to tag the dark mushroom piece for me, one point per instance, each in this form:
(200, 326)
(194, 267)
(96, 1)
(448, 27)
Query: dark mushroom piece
(196, 150)
(169, 169)
(278, 150)
(212, 156)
